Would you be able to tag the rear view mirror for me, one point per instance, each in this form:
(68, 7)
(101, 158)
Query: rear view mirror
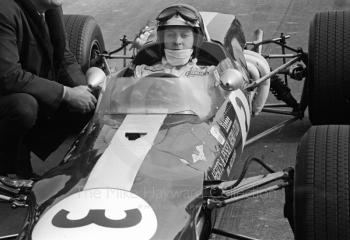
(231, 79)
(95, 77)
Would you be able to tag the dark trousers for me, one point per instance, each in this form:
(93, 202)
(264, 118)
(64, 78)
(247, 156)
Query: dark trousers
(24, 128)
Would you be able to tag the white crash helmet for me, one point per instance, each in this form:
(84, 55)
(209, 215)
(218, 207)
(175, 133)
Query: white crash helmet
(181, 15)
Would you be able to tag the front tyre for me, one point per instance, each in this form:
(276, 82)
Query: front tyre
(329, 68)
(85, 40)
(321, 186)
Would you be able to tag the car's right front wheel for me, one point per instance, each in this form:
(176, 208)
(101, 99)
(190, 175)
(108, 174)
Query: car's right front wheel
(322, 184)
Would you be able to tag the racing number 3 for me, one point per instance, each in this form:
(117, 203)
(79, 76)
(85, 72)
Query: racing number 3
(98, 217)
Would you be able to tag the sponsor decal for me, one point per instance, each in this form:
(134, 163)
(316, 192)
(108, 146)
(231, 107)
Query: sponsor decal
(215, 131)
(222, 160)
(228, 153)
(156, 68)
(230, 165)
(232, 136)
(199, 156)
(196, 72)
(226, 121)
(97, 214)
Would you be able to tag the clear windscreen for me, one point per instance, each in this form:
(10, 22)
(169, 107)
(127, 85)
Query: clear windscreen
(162, 95)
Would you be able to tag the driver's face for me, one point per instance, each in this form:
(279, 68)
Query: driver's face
(177, 38)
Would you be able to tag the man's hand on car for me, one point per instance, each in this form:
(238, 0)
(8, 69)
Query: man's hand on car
(80, 98)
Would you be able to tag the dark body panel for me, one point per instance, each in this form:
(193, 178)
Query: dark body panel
(185, 152)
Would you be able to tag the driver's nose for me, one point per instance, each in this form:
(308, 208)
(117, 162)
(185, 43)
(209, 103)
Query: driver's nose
(178, 42)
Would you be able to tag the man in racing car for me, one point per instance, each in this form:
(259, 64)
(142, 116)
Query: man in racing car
(43, 92)
(180, 30)
(180, 33)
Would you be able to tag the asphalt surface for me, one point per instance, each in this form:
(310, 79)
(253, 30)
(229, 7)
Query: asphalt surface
(259, 217)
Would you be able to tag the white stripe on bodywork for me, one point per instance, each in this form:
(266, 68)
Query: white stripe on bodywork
(242, 112)
(120, 163)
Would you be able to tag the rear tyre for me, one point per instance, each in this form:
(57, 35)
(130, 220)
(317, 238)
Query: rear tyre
(85, 40)
(329, 68)
(321, 186)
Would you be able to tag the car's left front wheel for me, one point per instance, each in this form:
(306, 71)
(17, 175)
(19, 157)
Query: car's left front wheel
(85, 40)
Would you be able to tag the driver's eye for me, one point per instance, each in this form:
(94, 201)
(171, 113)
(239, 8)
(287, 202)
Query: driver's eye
(169, 35)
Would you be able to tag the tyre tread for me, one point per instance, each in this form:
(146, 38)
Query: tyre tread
(329, 63)
(322, 204)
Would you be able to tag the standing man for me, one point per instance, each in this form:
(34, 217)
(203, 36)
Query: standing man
(43, 93)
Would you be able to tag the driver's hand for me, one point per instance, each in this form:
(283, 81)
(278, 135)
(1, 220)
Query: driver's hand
(80, 98)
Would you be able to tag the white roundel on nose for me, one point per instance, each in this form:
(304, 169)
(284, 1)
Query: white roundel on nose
(97, 214)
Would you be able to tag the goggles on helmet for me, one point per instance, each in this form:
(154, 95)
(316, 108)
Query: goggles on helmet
(182, 11)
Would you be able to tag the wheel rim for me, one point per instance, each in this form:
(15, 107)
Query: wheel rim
(95, 50)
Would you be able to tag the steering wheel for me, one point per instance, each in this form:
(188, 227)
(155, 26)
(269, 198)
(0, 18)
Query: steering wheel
(162, 74)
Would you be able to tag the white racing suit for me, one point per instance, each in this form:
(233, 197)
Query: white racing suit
(197, 82)
(191, 69)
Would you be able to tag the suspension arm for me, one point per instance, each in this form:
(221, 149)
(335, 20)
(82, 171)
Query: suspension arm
(218, 197)
(9, 237)
(277, 70)
(213, 203)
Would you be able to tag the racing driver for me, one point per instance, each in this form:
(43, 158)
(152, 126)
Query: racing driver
(180, 30)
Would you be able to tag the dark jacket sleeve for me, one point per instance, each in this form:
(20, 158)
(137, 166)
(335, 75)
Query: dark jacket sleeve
(75, 76)
(70, 73)
(14, 79)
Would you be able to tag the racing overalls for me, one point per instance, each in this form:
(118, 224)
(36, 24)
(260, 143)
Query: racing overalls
(191, 69)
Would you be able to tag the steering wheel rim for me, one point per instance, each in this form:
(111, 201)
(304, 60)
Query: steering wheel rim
(162, 74)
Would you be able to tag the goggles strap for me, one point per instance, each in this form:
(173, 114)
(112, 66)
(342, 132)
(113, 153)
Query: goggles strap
(177, 12)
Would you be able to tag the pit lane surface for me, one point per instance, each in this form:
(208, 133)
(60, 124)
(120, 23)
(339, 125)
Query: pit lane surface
(260, 217)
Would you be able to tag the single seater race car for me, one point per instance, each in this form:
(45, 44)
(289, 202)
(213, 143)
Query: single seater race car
(156, 160)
